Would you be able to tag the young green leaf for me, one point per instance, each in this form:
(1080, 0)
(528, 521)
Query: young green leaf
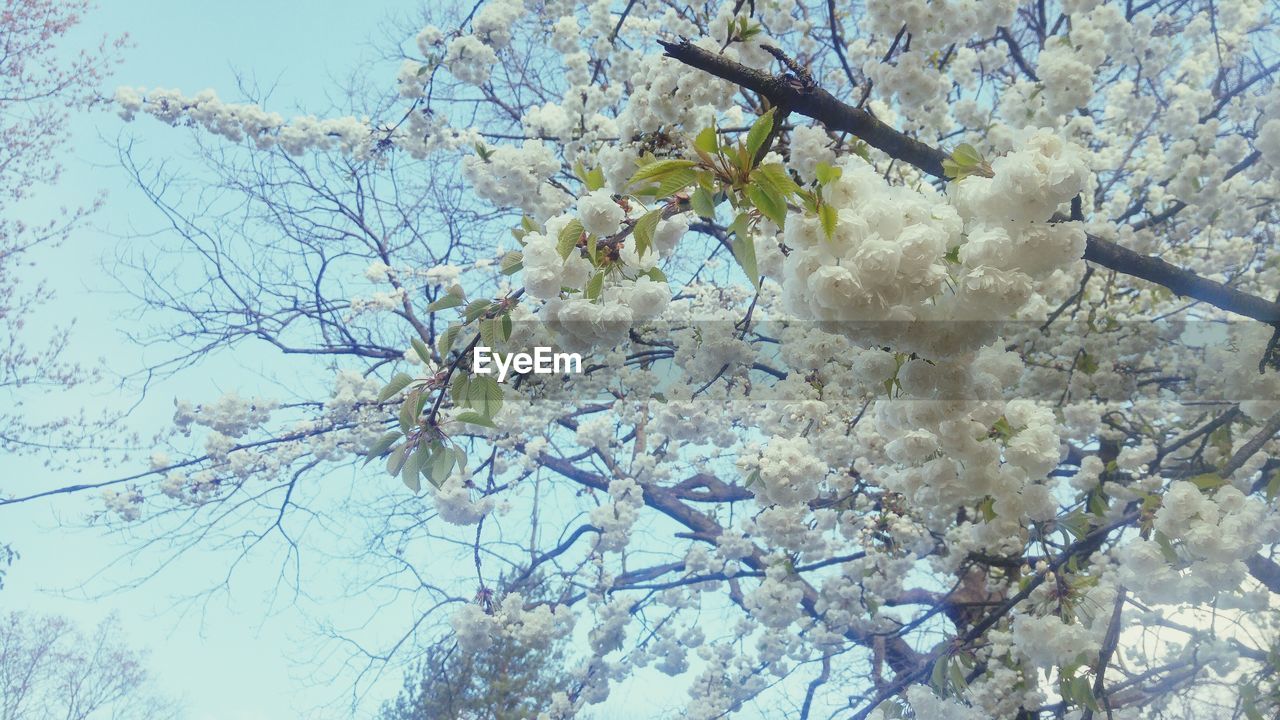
(444, 302)
(381, 445)
(445, 342)
(594, 286)
(398, 382)
(412, 470)
(396, 459)
(458, 388)
(827, 216)
(827, 174)
(660, 169)
(475, 418)
(674, 182)
(569, 237)
(512, 262)
(476, 309)
(759, 132)
(774, 177)
(703, 203)
(442, 462)
(644, 229)
(744, 251)
(707, 141)
(409, 413)
(485, 395)
(770, 204)
(421, 350)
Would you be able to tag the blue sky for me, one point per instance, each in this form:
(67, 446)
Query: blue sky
(234, 655)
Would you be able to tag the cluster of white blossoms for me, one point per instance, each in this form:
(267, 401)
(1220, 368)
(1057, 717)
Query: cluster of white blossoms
(885, 258)
(665, 92)
(790, 473)
(516, 176)
(229, 415)
(615, 518)
(583, 322)
(378, 301)
(237, 121)
(1209, 534)
(534, 625)
(884, 274)
(935, 25)
(455, 503)
(1067, 65)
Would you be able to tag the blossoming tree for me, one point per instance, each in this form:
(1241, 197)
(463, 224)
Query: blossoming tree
(929, 345)
(42, 81)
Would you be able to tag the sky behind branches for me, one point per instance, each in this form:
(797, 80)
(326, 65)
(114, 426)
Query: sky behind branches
(230, 656)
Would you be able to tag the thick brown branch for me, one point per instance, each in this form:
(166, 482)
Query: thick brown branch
(812, 102)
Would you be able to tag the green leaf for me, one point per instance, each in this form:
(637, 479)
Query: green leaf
(398, 382)
(660, 169)
(1098, 503)
(955, 673)
(769, 204)
(396, 459)
(644, 229)
(657, 275)
(707, 141)
(444, 343)
(774, 176)
(506, 326)
(827, 174)
(965, 160)
(594, 286)
(966, 155)
(744, 251)
(381, 445)
(409, 413)
(827, 216)
(421, 350)
(938, 677)
(476, 309)
(442, 462)
(1087, 364)
(512, 262)
(458, 388)
(1208, 481)
(759, 132)
(674, 182)
(593, 179)
(490, 330)
(953, 255)
(1166, 548)
(412, 470)
(485, 395)
(569, 237)
(703, 203)
(462, 458)
(475, 418)
(444, 302)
